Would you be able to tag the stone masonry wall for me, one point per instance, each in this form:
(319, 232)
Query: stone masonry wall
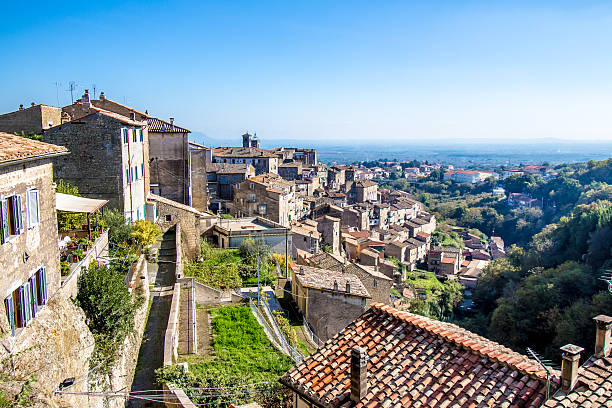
(32, 119)
(322, 311)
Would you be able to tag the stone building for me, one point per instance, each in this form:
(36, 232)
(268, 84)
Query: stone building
(262, 160)
(221, 178)
(29, 255)
(306, 237)
(290, 171)
(328, 300)
(364, 191)
(35, 119)
(109, 159)
(169, 160)
(200, 156)
(444, 260)
(229, 233)
(268, 196)
(335, 178)
(329, 227)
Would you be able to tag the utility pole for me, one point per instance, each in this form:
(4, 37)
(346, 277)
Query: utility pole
(287, 253)
(258, 289)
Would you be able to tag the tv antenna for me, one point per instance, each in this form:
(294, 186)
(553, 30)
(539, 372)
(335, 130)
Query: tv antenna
(607, 277)
(545, 364)
(72, 87)
(57, 85)
(93, 87)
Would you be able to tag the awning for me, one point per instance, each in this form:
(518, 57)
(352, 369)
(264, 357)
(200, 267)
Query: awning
(70, 203)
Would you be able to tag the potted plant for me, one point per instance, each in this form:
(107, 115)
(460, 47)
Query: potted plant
(80, 254)
(65, 268)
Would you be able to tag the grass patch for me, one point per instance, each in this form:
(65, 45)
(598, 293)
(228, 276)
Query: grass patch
(243, 355)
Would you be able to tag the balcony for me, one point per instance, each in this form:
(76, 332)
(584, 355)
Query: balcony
(79, 254)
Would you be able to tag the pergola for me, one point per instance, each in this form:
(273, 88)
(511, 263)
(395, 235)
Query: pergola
(71, 203)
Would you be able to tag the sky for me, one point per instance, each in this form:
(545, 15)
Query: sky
(342, 71)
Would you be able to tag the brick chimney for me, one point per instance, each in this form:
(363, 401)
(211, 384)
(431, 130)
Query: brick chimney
(132, 114)
(171, 123)
(359, 374)
(85, 99)
(102, 96)
(21, 107)
(569, 366)
(602, 336)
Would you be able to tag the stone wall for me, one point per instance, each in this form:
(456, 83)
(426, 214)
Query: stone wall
(170, 165)
(199, 188)
(32, 119)
(171, 337)
(324, 311)
(99, 249)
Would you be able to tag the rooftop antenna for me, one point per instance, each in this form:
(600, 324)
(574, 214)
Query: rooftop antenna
(94, 90)
(607, 277)
(72, 87)
(546, 365)
(57, 85)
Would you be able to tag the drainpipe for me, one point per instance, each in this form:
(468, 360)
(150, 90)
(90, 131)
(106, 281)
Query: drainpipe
(144, 173)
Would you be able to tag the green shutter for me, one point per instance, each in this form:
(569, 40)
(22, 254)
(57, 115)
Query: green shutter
(141, 135)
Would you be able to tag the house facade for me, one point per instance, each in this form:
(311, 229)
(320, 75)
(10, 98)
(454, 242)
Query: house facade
(109, 159)
(29, 255)
(262, 160)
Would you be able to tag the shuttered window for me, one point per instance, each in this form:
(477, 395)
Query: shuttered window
(11, 214)
(134, 136)
(141, 135)
(124, 134)
(23, 304)
(32, 208)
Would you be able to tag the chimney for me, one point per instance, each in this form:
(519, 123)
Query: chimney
(132, 114)
(33, 104)
(301, 270)
(85, 98)
(602, 336)
(102, 96)
(171, 123)
(569, 366)
(21, 107)
(359, 374)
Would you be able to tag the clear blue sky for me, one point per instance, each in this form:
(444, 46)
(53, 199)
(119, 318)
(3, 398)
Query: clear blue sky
(328, 70)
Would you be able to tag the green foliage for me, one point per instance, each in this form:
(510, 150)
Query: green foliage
(287, 329)
(145, 232)
(522, 183)
(433, 298)
(68, 220)
(327, 248)
(226, 216)
(29, 135)
(252, 250)
(447, 239)
(109, 312)
(243, 355)
(119, 230)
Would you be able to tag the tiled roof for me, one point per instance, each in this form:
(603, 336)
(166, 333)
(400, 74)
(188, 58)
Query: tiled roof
(415, 361)
(326, 260)
(594, 387)
(158, 125)
(365, 183)
(446, 249)
(242, 152)
(324, 279)
(13, 148)
(229, 167)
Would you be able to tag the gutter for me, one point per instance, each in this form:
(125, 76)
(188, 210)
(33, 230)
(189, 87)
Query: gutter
(29, 159)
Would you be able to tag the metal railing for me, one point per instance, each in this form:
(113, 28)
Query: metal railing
(275, 335)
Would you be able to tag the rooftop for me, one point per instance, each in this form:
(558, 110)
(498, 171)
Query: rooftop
(15, 148)
(229, 168)
(417, 361)
(327, 280)
(158, 125)
(247, 224)
(242, 152)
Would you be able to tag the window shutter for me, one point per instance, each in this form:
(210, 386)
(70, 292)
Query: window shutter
(34, 291)
(32, 208)
(22, 313)
(4, 228)
(18, 214)
(141, 135)
(27, 303)
(43, 284)
(10, 313)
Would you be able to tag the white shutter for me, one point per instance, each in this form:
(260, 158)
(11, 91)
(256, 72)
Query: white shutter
(32, 209)
(18, 214)
(10, 313)
(43, 284)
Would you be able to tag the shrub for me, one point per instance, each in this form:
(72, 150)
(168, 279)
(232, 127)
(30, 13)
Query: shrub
(119, 231)
(109, 312)
(250, 249)
(145, 232)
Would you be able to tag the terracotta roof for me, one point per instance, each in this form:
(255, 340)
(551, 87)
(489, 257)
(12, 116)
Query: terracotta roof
(229, 168)
(415, 361)
(365, 183)
(594, 387)
(324, 279)
(446, 260)
(360, 234)
(326, 260)
(15, 148)
(158, 125)
(242, 152)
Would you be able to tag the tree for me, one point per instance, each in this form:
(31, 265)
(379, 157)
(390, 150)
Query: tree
(145, 232)
(68, 220)
(119, 231)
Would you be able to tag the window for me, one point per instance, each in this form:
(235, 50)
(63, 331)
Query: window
(135, 172)
(124, 134)
(137, 214)
(11, 217)
(375, 283)
(141, 135)
(238, 186)
(134, 135)
(168, 218)
(142, 168)
(252, 186)
(127, 175)
(32, 208)
(23, 304)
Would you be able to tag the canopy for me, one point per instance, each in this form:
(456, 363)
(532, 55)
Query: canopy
(67, 202)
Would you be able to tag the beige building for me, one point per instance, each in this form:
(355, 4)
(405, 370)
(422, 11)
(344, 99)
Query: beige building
(269, 196)
(29, 255)
(262, 160)
(33, 119)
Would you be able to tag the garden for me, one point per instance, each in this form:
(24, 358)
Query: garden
(235, 268)
(245, 366)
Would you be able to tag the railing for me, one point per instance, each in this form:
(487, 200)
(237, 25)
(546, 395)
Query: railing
(295, 354)
(311, 336)
(172, 331)
(279, 339)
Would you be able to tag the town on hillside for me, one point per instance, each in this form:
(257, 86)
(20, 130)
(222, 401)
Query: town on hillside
(144, 269)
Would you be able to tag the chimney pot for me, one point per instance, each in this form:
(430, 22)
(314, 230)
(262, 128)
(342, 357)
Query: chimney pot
(132, 114)
(569, 366)
(33, 104)
(602, 336)
(102, 96)
(171, 121)
(21, 106)
(359, 374)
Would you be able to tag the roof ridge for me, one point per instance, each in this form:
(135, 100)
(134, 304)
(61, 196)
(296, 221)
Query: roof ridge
(471, 341)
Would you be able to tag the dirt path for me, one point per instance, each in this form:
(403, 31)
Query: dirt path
(151, 354)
